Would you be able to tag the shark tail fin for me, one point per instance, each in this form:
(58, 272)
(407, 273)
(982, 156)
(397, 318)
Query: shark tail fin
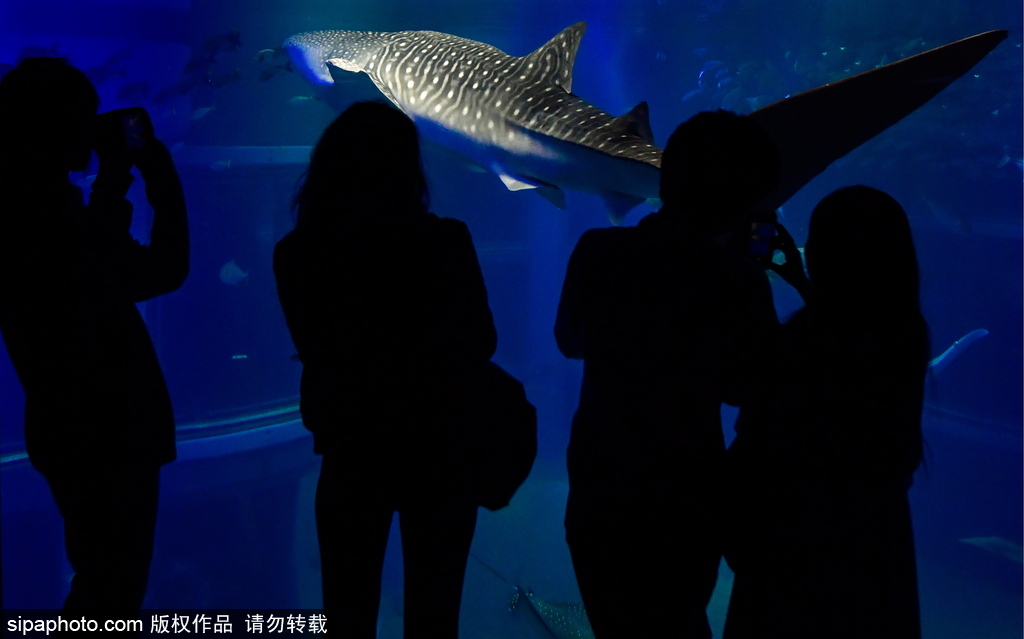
(814, 128)
(637, 122)
(559, 55)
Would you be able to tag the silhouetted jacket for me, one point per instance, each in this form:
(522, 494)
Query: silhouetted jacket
(384, 312)
(819, 473)
(70, 276)
(670, 325)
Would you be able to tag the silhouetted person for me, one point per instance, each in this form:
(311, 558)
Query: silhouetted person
(386, 304)
(670, 322)
(821, 465)
(98, 420)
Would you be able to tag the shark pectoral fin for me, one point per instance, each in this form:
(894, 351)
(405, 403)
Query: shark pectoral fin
(549, 192)
(619, 205)
(514, 183)
(559, 55)
(637, 122)
(344, 64)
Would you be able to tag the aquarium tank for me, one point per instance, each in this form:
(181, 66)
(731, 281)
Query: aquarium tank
(236, 528)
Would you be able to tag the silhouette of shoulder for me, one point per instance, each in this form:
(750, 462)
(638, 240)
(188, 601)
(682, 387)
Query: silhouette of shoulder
(649, 278)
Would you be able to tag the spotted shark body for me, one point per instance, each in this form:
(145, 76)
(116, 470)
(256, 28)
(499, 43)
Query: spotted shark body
(517, 117)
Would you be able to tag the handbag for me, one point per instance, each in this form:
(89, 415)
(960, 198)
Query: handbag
(501, 434)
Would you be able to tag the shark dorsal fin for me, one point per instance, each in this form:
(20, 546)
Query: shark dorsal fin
(556, 58)
(637, 122)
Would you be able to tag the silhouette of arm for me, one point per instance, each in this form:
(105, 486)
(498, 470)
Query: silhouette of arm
(144, 272)
(792, 269)
(569, 333)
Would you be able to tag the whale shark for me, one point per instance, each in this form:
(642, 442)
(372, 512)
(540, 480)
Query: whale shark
(517, 117)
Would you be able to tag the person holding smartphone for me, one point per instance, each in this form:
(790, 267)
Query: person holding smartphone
(98, 417)
(670, 320)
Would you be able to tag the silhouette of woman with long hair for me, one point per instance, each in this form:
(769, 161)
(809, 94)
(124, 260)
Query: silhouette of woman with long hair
(822, 542)
(386, 304)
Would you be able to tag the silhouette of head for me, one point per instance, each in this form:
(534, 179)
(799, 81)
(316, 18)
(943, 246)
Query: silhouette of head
(367, 159)
(47, 110)
(717, 165)
(860, 251)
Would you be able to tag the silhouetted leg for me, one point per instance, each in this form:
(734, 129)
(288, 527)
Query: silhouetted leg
(353, 516)
(109, 522)
(435, 546)
(641, 574)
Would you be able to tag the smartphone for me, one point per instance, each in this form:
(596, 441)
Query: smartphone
(125, 129)
(761, 236)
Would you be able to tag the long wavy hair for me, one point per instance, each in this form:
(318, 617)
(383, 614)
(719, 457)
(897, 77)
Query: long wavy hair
(861, 259)
(860, 252)
(368, 159)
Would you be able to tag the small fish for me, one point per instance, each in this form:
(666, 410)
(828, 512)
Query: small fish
(909, 47)
(731, 100)
(999, 546)
(220, 166)
(691, 95)
(232, 275)
(264, 54)
(133, 92)
(296, 100)
(239, 357)
(709, 74)
(202, 112)
(223, 43)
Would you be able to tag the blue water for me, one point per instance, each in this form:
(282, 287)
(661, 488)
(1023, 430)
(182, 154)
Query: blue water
(236, 526)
